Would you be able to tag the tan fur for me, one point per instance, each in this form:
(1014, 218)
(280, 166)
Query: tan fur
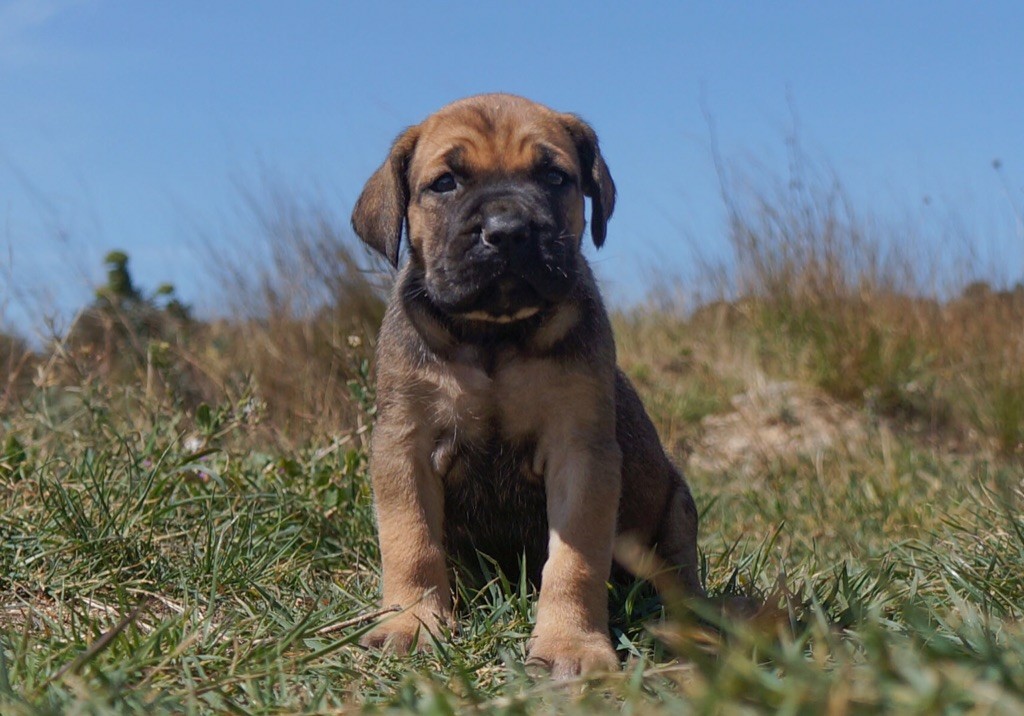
(590, 439)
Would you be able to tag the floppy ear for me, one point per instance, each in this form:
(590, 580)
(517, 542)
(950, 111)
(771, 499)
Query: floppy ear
(597, 181)
(379, 214)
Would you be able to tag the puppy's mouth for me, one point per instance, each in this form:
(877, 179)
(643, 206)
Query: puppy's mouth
(520, 315)
(509, 299)
(483, 288)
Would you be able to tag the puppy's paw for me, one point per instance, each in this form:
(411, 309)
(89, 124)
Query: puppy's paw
(404, 633)
(568, 656)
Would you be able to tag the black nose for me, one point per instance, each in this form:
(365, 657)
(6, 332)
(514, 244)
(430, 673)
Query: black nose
(504, 230)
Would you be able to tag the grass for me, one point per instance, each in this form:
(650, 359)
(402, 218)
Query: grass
(148, 568)
(186, 524)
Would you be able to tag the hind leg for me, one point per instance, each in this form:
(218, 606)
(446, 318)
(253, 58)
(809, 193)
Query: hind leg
(656, 507)
(676, 538)
(677, 546)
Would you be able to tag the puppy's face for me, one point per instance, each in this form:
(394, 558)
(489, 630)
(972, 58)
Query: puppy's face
(491, 190)
(495, 211)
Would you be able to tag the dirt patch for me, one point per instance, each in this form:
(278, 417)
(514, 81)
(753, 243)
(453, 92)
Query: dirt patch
(776, 422)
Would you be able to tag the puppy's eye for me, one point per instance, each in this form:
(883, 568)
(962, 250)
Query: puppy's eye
(444, 183)
(556, 177)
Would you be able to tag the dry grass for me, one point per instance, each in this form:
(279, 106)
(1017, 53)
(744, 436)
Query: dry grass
(296, 321)
(814, 292)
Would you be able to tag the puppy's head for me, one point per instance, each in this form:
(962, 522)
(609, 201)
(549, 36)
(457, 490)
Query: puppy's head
(490, 190)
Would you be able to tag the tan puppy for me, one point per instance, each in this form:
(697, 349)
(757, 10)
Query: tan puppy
(503, 424)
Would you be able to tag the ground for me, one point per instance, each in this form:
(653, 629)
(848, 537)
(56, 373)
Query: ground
(150, 562)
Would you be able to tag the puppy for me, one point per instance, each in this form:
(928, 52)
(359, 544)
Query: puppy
(503, 424)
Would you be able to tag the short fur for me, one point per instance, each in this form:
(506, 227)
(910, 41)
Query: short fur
(503, 424)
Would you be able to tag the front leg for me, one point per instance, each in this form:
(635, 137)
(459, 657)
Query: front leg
(582, 479)
(409, 500)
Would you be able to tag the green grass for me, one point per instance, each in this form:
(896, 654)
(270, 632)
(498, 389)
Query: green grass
(147, 567)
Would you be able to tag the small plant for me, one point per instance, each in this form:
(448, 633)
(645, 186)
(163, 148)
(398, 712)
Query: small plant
(1008, 416)
(119, 288)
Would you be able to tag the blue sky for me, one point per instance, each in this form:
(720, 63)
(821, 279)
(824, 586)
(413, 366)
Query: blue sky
(133, 125)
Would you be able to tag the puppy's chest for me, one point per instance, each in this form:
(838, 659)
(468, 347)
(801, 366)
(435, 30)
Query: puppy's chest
(503, 424)
(487, 433)
(473, 407)
(492, 432)
(495, 504)
(494, 494)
